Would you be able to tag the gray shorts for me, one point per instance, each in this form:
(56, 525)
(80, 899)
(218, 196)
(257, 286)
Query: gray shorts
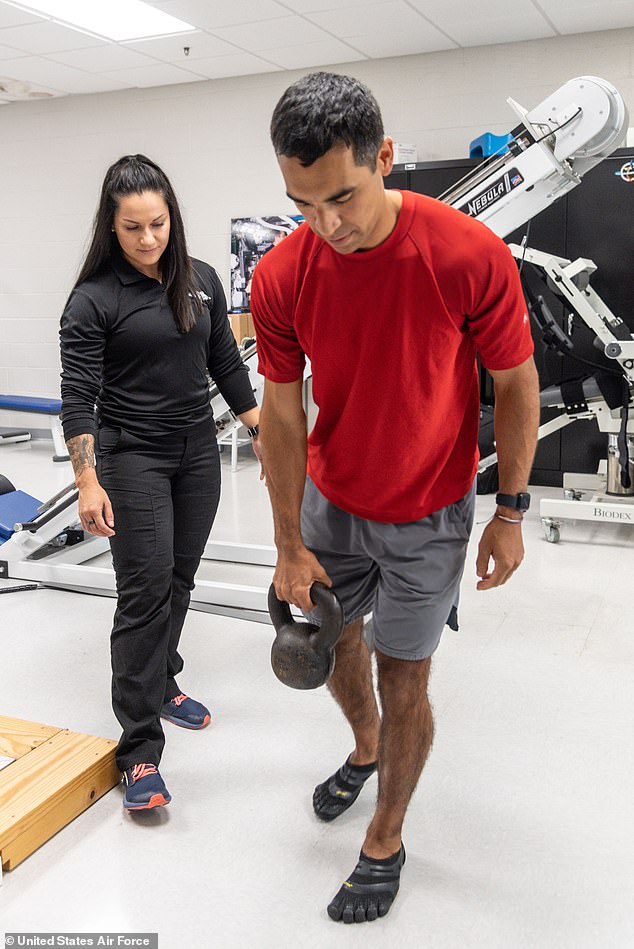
(407, 575)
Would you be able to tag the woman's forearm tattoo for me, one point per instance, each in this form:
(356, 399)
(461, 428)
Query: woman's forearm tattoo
(81, 449)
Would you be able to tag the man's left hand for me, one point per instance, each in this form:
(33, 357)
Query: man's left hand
(502, 543)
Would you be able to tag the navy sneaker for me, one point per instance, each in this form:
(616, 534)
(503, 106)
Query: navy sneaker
(144, 787)
(186, 712)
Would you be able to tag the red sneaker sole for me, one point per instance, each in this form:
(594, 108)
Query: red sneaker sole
(157, 800)
(182, 724)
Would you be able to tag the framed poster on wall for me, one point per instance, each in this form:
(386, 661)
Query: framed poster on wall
(251, 238)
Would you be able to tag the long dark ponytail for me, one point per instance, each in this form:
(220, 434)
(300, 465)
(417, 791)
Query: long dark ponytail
(134, 174)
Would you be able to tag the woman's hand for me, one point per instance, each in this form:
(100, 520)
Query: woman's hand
(95, 510)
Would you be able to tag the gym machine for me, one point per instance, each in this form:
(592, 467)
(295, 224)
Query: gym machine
(606, 395)
(557, 143)
(35, 405)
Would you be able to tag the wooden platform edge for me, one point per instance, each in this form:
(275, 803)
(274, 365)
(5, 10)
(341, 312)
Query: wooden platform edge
(49, 788)
(18, 737)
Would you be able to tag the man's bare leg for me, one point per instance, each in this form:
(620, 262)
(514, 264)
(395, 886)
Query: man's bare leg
(351, 685)
(407, 731)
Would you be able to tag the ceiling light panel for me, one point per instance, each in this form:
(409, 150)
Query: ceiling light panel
(209, 14)
(117, 19)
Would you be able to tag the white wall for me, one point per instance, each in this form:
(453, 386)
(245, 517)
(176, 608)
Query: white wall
(212, 139)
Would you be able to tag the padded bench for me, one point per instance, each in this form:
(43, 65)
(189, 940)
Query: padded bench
(37, 406)
(16, 507)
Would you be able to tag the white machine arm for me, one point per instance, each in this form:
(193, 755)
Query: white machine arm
(558, 141)
(571, 281)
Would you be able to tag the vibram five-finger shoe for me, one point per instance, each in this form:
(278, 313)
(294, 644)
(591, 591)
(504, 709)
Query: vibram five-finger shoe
(144, 787)
(370, 889)
(341, 789)
(186, 712)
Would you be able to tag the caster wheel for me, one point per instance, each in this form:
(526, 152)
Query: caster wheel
(551, 531)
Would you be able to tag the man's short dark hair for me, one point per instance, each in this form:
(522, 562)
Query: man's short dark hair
(323, 110)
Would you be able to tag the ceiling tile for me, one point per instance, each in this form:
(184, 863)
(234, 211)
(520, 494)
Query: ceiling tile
(286, 31)
(394, 19)
(324, 53)
(46, 37)
(487, 22)
(11, 16)
(104, 58)
(170, 48)
(239, 64)
(85, 84)
(586, 16)
(398, 43)
(43, 72)
(209, 14)
(7, 52)
(159, 74)
(313, 6)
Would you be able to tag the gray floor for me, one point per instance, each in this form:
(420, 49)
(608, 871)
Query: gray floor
(521, 833)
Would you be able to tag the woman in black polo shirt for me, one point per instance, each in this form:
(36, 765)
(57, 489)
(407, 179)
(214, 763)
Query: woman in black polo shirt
(141, 329)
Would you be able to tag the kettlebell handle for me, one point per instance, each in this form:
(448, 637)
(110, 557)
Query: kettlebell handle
(321, 595)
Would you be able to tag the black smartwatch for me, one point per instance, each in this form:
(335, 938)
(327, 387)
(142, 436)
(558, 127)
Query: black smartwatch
(520, 502)
(254, 431)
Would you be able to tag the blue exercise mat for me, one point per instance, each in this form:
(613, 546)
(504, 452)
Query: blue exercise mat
(16, 507)
(31, 403)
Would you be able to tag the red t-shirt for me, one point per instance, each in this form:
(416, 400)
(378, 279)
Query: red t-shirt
(392, 335)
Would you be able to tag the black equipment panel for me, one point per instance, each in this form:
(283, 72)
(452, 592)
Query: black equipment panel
(600, 216)
(600, 222)
(593, 220)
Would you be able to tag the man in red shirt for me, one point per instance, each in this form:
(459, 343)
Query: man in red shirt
(390, 295)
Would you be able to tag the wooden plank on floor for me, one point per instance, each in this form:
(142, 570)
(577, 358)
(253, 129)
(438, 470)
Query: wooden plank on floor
(47, 788)
(18, 737)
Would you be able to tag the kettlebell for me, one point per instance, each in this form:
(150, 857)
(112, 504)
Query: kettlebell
(303, 654)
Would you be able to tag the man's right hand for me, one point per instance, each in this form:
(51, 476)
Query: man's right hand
(295, 574)
(95, 510)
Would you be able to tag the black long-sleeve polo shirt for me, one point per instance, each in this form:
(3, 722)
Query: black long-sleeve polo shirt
(122, 351)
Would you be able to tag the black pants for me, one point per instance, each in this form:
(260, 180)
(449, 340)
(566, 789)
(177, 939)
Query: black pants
(164, 493)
